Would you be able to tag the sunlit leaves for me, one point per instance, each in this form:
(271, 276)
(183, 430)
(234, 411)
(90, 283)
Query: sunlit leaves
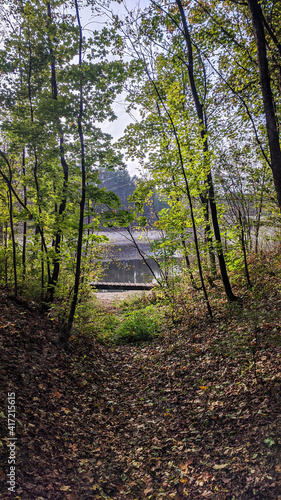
(40, 99)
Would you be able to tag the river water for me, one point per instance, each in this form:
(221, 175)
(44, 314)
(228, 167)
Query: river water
(129, 271)
(123, 263)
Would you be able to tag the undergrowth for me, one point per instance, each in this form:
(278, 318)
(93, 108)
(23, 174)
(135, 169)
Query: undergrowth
(140, 325)
(142, 318)
(138, 319)
(194, 412)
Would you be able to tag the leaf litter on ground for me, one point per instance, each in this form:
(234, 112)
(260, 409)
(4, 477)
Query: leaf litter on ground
(194, 414)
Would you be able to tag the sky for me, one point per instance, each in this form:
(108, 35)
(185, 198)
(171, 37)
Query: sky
(117, 127)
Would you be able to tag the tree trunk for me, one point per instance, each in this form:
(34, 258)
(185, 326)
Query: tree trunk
(65, 333)
(58, 237)
(6, 253)
(183, 242)
(244, 250)
(35, 172)
(209, 180)
(208, 236)
(13, 240)
(189, 199)
(24, 237)
(268, 101)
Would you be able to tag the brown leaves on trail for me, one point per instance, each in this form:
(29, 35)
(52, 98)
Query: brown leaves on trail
(195, 415)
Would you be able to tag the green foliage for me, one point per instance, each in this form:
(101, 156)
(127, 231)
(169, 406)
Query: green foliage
(174, 147)
(269, 441)
(139, 326)
(102, 325)
(133, 320)
(120, 182)
(40, 102)
(43, 159)
(120, 218)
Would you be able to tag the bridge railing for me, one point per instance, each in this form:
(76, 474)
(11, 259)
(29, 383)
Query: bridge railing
(121, 286)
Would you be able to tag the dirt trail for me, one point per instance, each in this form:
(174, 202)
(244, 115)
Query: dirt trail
(175, 419)
(109, 298)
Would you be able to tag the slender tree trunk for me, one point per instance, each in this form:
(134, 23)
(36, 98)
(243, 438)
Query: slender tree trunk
(145, 261)
(183, 241)
(196, 242)
(13, 240)
(227, 287)
(244, 250)
(187, 261)
(209, 180)
(65, 333)
(6, 254)
(24, 237)
(258, 224)
(206, 298)
(35, 175)
(258, 214)
(268, 101)
(198, 254)
(40, 226)
(23, 205)
(58, 237)
(208, 236)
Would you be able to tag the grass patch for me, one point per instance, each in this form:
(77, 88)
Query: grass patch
(137, 302)
(139, 326)
(102, 326)
(126, 323)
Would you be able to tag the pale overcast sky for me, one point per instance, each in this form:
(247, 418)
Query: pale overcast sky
(117, 127)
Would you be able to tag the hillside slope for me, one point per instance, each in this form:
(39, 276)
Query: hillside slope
(192, 415)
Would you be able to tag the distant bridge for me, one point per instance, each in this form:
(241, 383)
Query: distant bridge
(121, 286)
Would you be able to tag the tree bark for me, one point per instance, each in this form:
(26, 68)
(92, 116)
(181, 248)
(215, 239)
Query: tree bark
(209, 181)
(13, 238)
(65, 333)
(62, 206)
(35, 174)
(24, 237)
(268, 101)
(244, 250)
(189, 199)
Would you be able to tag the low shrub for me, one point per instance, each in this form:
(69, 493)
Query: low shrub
(139, 326)
(102, 326)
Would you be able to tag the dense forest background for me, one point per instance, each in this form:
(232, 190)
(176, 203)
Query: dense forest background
(202, 81)
(173, 393)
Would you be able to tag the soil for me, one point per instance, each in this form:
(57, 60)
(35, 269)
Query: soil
(193, 415)
(116, 297)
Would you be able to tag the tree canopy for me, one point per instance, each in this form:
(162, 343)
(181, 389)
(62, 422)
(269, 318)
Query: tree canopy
(204, 78)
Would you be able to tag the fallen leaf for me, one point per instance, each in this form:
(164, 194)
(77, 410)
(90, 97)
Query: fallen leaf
(65, 488)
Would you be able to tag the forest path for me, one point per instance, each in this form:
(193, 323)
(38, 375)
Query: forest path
(111, 298)
(178, 418)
